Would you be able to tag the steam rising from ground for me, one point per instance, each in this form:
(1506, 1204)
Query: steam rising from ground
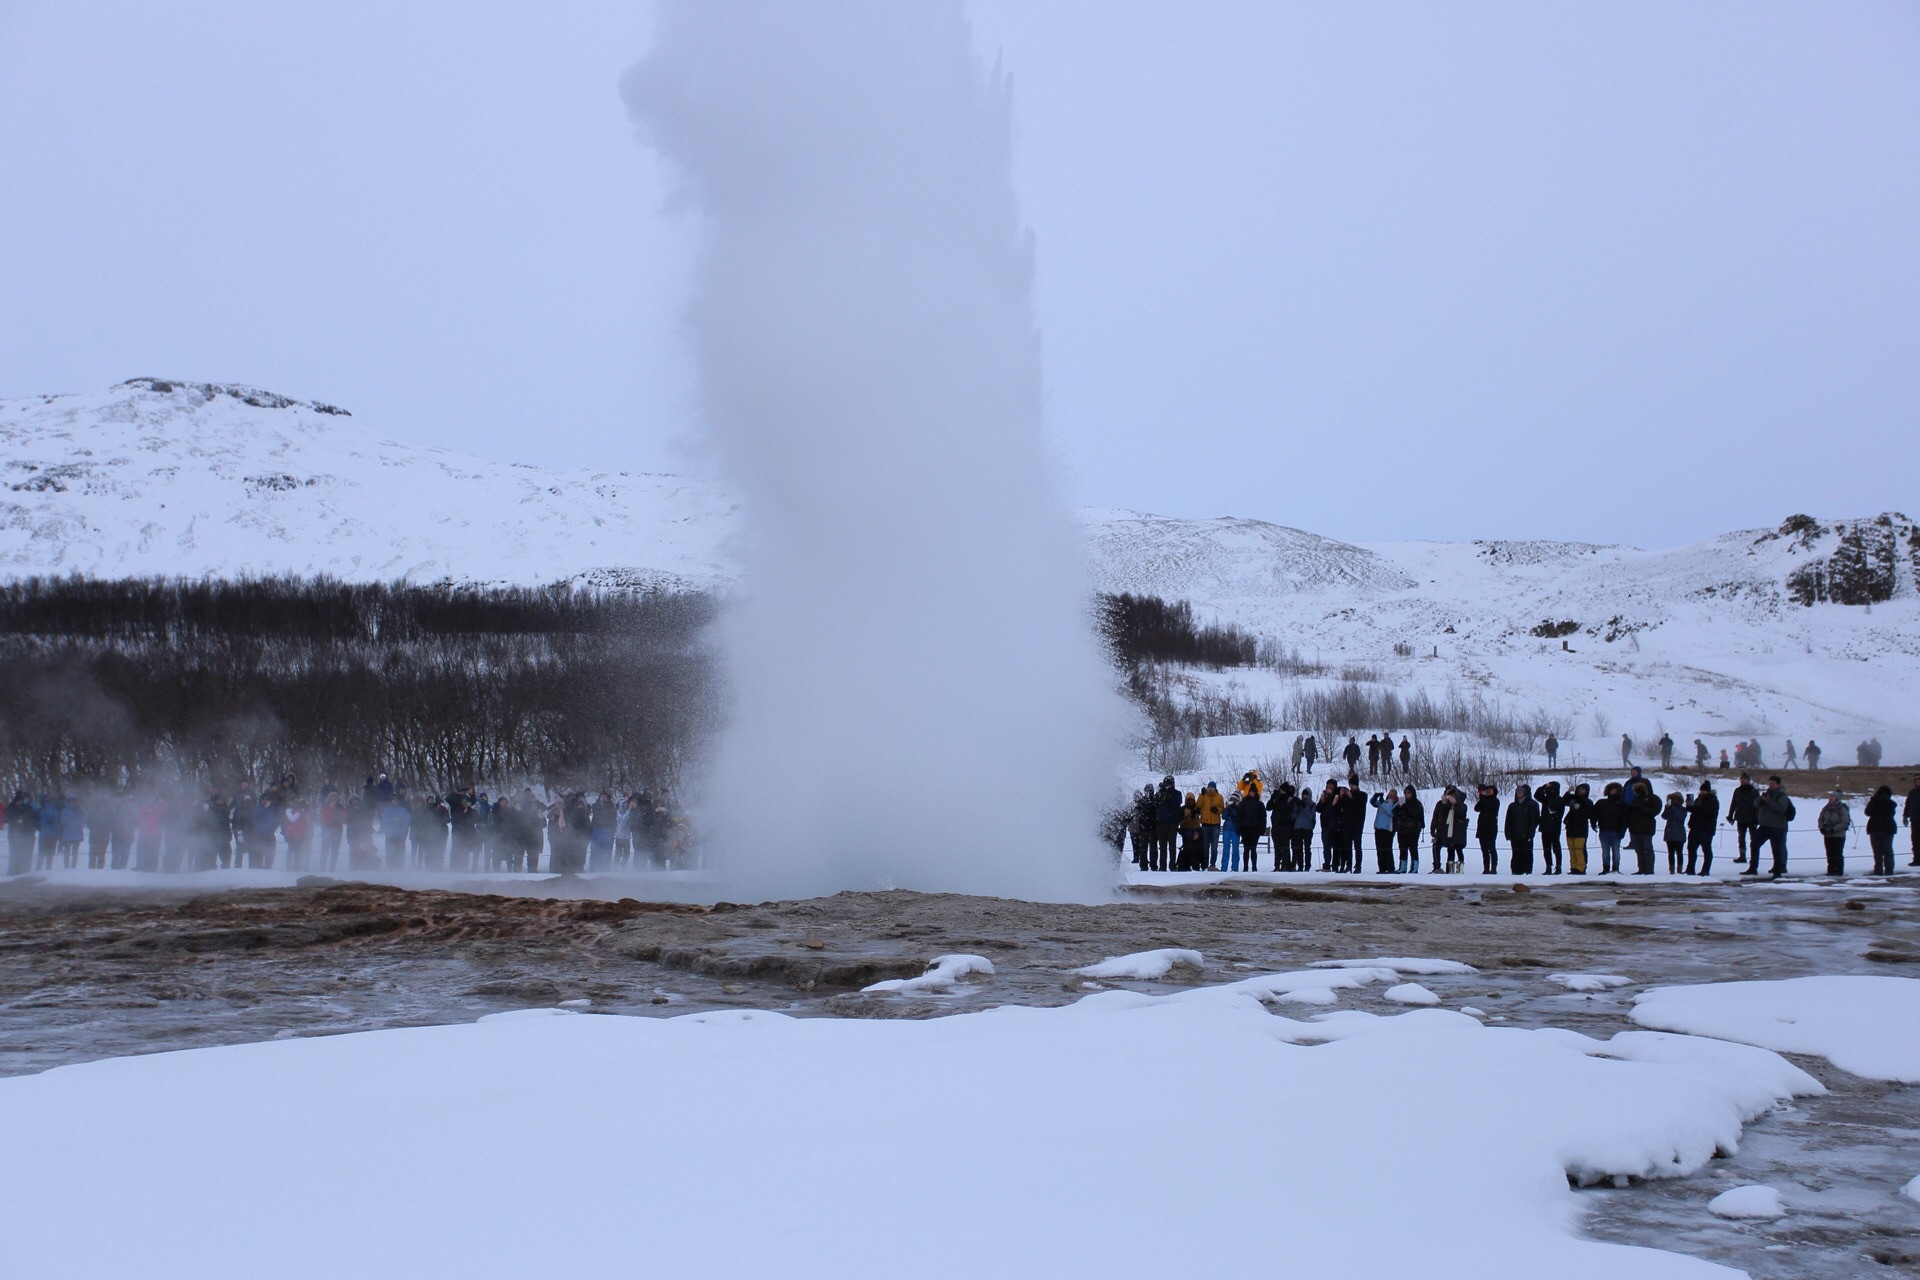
(919, 701)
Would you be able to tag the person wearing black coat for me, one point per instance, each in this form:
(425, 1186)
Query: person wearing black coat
(1353, 820)
(1409, 820)
(1882, 826)
(1702, 815)
(1643, 823)
(1167, 802)
(1553, 811)
(1579, 821)
(1330, 833)
(1250, 816)
(1280, 822)
(1523, 820)
(1910, 814)
(1449, 829)
(1486, 828)
(1743, 814)
(1610, 821)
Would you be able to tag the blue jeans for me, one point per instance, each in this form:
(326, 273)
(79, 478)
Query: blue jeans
(1610, 852)
(1777, 837)
(1223, 847)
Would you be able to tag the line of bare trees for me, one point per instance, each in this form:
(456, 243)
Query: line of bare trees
(222, 683)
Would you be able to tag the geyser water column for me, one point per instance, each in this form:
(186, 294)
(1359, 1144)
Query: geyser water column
(917, 698)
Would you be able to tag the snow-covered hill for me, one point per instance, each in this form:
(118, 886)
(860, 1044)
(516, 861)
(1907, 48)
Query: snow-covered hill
(1811, 627)
(162, 477)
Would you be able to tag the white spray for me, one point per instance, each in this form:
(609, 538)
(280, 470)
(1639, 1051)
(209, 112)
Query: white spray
(918, 698)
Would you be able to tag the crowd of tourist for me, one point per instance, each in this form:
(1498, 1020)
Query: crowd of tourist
(378, 826)
(1210, 830)
(1745, 754)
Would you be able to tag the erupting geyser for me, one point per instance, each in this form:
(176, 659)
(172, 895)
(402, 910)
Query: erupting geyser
(918, 700)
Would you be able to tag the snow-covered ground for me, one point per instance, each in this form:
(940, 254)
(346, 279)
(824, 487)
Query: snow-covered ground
(1009, 1143)
(1864, 1024)
(155, 477)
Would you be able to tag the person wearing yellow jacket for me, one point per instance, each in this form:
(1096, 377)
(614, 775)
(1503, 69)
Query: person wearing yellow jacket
(1212, 806)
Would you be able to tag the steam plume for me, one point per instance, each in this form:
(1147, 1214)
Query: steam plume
(918, 698)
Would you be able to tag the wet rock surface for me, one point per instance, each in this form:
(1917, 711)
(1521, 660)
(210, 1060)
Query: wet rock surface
(95, 973)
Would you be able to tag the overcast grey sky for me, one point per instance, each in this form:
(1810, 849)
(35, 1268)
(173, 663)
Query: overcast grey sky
(1610, 271)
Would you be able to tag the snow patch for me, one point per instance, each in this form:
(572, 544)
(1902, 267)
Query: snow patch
(943, 974)
(1589, 981)
(1861, 1024)
(1410, 993)
(1145, 966)
(1747, 1202)
(1400, 964)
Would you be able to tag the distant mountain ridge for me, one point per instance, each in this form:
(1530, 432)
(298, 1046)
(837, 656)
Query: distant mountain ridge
(1814, 617)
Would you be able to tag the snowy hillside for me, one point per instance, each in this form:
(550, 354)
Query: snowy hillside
(1809, 628)
(158, 477)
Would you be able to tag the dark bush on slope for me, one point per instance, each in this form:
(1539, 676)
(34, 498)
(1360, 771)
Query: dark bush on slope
(1141, 629)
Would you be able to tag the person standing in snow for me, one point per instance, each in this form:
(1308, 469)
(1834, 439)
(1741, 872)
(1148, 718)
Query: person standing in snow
(1772, 815)
(1250, 817)
(1449, 831)
(1409, 820)
(1330, 833)
(1373, 755)
(1909, 814)
(23, 821)
(1666, 750)
(1304, 815)
(396, 824)
(1406, 756)
(1190, 854)
(1626, 751)
(1703, 815)
(1881, 828)
(1299, 749)
(1140, 830)
(1699, 754)
(1312, 750)
(1742, 814)
(1280, 822)
(1610, 822)
(1579, 820)
(1812, 754)
(1835, 820)
(1486, 828)
(1523, 821)
(1791, 759)
(1351, 754)
(1553, 812)
(1643, 821)
(1212, 806)
(1553, 751)
(1674, 830)
(1385, 807)
(1166, 823)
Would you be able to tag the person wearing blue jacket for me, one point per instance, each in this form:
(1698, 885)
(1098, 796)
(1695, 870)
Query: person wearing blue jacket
(1304, 815)
(1383, 808)
(72, 830)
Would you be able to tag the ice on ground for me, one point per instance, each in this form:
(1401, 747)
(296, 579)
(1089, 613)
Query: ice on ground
(380, 1145)
(1912, 1190)
(1410, 993)
(1145, 965)
(1400, 964)
(1860, 1023)
(1297, 986)
(943, 974)
(1747, 1202)
(1588, 981)
(1473, 1010)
